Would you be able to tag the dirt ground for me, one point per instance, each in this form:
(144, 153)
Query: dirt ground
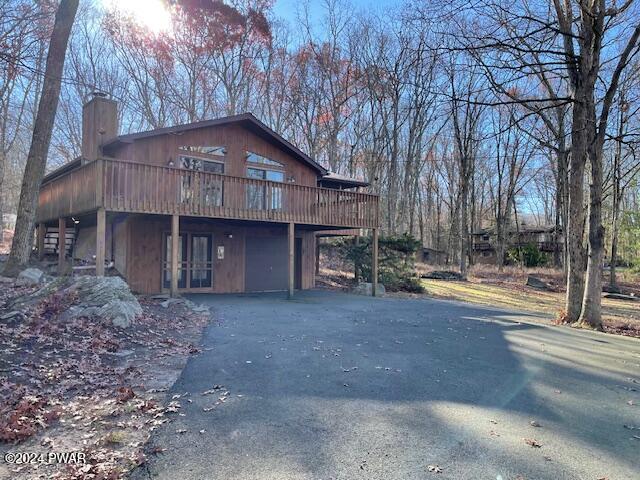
(86, 386)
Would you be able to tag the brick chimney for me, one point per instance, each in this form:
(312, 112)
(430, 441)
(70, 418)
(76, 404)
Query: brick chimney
(99, 125)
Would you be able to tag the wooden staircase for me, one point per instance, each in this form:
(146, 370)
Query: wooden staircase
(51, 243)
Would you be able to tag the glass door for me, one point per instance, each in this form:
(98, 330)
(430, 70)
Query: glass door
(201, 264)
(182, 262)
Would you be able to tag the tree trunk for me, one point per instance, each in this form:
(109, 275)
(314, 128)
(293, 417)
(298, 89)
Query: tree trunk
(560, 217)
(41, 137)
(613, 281)
(592, 298)
(464, 230)
(575, 224)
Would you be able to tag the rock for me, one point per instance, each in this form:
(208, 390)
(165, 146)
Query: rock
(30, 276)
(620, 296)
(365, 288)
(538, 284)
(171, 301)
(200, 309)
(7, 280)
(105, 297)
(611, 289)
(442, 275)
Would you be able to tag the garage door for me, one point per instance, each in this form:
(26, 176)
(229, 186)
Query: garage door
(266, 264)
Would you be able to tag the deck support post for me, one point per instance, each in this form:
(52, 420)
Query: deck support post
(292, 272)
(317, 267)
(374, 262)
(62, 244)
(40, 234)
(101, 241)
(175, 237)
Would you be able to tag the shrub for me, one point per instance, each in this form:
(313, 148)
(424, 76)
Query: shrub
(396, 260)
(528, 255)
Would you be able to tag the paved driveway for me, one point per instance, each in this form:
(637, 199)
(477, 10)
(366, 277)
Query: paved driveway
(333, 386)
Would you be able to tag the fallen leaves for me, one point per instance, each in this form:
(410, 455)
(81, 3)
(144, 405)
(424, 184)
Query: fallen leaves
(532, 443)
(84, 378)
(125, 394)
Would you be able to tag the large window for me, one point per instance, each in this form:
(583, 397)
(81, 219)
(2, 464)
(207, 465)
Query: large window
(208, 150)
(264, 196)
(205, 189)
(262, 160)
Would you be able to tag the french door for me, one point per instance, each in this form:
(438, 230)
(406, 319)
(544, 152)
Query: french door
(201, 264)
(195, 264)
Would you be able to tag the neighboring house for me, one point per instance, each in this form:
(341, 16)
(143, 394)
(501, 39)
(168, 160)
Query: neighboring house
(543, 237)
(431, 256)
(224, 205)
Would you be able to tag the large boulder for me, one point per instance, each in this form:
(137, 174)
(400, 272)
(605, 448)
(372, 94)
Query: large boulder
(29, 277)
(443, 275)
(621, 296)
(538, 284)
(366, 288)
(105, 297)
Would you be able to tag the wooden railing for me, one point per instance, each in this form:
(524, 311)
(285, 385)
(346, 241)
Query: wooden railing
(142, 188)
(70, 194)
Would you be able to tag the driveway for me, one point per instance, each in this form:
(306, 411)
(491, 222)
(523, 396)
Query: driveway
(336, 386)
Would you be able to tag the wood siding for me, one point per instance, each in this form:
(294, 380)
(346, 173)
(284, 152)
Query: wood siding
(237, 140)
(145, 252)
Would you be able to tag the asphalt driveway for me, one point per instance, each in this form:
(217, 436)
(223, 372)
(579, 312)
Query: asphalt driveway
(335, 386)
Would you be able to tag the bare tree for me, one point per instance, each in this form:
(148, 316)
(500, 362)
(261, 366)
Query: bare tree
(41, 138)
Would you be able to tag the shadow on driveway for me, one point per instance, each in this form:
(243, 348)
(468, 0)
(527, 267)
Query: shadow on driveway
(336, 386)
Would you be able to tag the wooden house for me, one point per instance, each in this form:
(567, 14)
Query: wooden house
(545, 238)
(224, 205)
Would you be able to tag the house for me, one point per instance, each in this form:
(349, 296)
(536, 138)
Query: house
(546, 238)
(224, 205)
(431, 256)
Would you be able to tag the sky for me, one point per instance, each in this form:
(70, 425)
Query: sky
(287, 8)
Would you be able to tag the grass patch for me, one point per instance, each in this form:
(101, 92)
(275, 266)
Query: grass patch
(519, 297)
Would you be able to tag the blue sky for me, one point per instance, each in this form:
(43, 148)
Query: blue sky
(287, 8)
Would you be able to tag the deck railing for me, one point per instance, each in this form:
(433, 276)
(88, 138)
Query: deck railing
(70, 194)
(127, 186)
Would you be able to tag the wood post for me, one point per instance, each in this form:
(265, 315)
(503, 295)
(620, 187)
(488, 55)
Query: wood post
(101, 241)
(317, 267)
(40, 234)
(62, 244)
(175, 237)
(374, 262)
(292, 271)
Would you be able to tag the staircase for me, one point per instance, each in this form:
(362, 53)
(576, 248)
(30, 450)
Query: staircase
(51, 244)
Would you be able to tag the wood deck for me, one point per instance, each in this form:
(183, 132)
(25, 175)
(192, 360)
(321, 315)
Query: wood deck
(126, 186)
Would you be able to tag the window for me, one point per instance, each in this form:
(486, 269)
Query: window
(259, 159)
(264, 196)
(208, 190)
(216, 151)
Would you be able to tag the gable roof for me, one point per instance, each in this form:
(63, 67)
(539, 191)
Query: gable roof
(247, 120)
